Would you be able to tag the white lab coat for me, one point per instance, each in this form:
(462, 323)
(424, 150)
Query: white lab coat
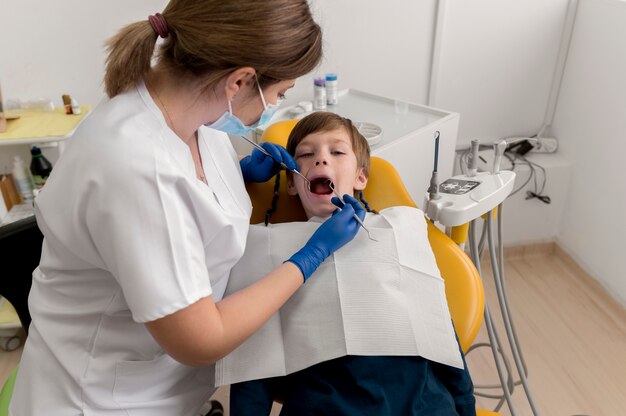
(131, 235)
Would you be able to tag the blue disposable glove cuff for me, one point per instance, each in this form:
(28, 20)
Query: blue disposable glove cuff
(308, 259)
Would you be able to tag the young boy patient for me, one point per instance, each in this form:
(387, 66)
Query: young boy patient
(328, 147)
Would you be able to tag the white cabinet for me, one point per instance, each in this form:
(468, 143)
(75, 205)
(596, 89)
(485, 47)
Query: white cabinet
(408, 132)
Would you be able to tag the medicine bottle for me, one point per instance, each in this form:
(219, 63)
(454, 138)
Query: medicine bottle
(3, 120)
(22, 180)
(319, 94)
(331, 89)
(40, 167)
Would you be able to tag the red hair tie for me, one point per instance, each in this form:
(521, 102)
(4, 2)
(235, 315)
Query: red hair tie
(159, 25)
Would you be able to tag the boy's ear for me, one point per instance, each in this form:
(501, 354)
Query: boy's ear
(291, 187)
(360, 181)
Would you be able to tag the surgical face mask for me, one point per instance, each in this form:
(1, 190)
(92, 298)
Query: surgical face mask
(231, 124)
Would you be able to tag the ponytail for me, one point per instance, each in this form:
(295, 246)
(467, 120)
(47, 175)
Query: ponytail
(129, 57)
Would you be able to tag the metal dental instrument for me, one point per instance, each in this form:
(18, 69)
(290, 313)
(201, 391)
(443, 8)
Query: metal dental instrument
(258, 146)
(308, 182)
(356, 217)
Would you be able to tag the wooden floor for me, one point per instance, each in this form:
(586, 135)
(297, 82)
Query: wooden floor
(572, 333)
(573, 337)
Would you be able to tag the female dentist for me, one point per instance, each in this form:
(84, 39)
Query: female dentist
(146, 212)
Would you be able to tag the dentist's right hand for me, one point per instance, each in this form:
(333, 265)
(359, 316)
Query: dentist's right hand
(333, 234)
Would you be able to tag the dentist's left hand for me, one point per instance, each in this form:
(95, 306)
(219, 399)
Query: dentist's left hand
(258, 167)
(333, 234)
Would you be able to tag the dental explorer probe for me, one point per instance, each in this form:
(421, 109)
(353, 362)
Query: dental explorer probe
(258, 146)
(356, 217)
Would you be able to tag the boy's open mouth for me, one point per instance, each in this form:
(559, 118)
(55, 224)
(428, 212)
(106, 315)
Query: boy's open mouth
(321, 186)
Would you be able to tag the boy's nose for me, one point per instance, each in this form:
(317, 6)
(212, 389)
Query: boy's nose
(323, 162)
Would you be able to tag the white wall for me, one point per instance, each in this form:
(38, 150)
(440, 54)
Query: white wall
(497, 59)
(51, 48)
(591, 120)
(379, 47)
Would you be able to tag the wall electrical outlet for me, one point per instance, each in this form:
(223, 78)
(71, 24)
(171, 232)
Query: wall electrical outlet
(545, 145)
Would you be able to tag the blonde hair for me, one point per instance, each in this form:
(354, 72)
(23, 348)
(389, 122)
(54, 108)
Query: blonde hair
(208, 39)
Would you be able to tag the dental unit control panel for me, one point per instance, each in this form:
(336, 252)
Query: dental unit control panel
(463, 198)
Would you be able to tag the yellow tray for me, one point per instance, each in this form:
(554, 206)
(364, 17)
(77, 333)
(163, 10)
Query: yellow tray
(40, 124)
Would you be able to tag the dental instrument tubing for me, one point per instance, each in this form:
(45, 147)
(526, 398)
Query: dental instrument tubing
(494, 340)
(506, 317)
(498, 274)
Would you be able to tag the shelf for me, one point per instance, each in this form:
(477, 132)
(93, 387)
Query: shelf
(36, 126)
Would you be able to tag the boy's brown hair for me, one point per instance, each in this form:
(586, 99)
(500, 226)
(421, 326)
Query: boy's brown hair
(322, 121)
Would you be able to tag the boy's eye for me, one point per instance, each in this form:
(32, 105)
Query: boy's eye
(338, 152)
(305, 154)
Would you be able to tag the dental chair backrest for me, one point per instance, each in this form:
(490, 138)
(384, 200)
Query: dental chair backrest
(385, 188)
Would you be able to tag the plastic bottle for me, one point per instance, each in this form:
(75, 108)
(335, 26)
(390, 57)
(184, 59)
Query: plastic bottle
(319, 94)
(40, 167)
(75, 107)
(331, 89)
(22, 180)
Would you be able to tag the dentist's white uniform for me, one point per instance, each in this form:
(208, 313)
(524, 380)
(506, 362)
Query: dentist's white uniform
(131, 235)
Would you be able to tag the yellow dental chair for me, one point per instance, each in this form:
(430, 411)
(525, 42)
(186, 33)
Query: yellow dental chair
(385, 188)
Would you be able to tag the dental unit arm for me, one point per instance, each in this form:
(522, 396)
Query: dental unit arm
(462, 200)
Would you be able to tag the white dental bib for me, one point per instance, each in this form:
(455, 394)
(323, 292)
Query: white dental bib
(369, 298)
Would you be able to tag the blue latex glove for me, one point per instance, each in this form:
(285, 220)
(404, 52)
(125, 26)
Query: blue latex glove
(333, 234)
(259, 167)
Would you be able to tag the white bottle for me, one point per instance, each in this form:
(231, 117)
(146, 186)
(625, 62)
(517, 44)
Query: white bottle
(331, 89)
(22, 180)
(319, 94)
(75, 106)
